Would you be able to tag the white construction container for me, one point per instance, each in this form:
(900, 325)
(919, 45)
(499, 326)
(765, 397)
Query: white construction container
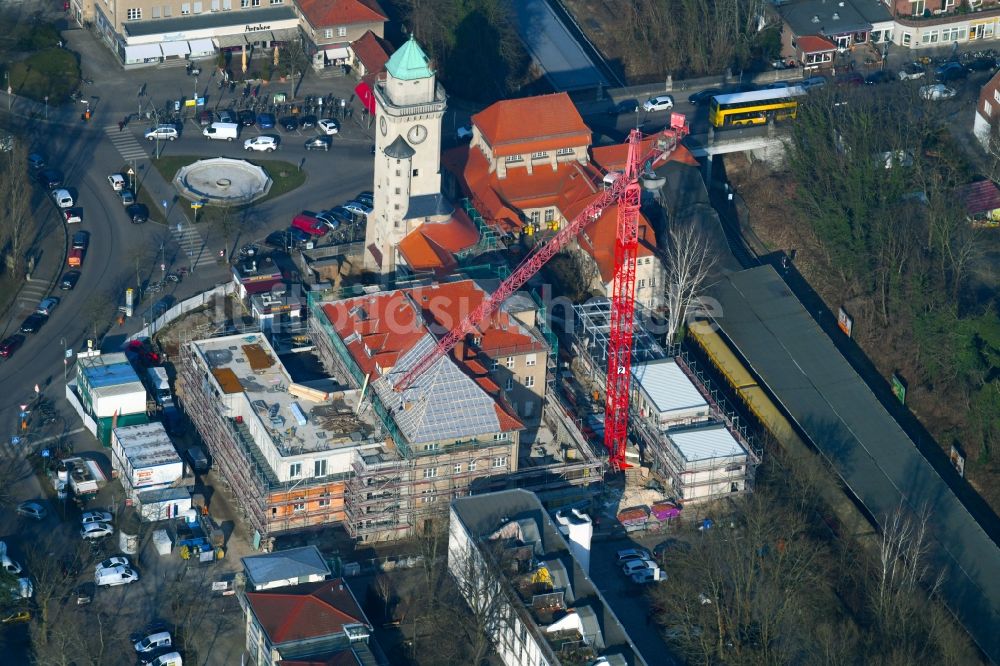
(108, 385)
(161, 541)
(144, 457)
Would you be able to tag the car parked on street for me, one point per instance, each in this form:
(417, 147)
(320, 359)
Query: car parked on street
(367, 198)
(813, 82)
(306, 122)
(47, 306)
(635, 566)
(265, 120)
(262, 144)
(629, 554)
(69, 280)
(95, 517)
(228, 116)
(658, 103)
(50, 178)
(137, 213)
(32, 509)
(289, 123)
(73, 215)
(32, 323)
(62, 198)
(912, 71)
(151, 642)
(96, 531)
(117, 182)
(646, 576)
(10, 345)
(624, 106)
(127, 197)
(318, 143)
(36, 161)
(951, 71)
(120, 575)
(247, 118)
(112, 562)
(205, 118)
(163, 133)
(982, 64)
(80, 240)
(358, 208)
(880, 76)
(702, 96)
(328, 126)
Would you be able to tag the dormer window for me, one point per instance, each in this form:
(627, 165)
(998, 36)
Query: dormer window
(514, 158)
(539, 156)
(564, 151)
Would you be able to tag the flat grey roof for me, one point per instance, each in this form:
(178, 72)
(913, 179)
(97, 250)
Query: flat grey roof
(706, 443)
(832, 18)
(667, 386)
(285, 564)
(236, 17)
(877, 460)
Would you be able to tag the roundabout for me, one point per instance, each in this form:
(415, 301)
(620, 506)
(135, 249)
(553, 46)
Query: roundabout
(222, 181)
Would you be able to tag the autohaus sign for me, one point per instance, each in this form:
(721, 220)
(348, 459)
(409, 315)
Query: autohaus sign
(260, 27)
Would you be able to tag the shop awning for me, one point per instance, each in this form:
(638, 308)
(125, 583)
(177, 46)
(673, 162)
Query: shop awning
(202, 46)
(174, 48)
(334, 52)
(231, 41)
(284, 35)
(140, 52)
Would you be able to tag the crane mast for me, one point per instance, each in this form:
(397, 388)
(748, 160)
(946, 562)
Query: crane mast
(626, 193)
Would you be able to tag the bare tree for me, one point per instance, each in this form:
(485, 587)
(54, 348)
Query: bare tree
(687, 262)
(17, 224)
(51, 575)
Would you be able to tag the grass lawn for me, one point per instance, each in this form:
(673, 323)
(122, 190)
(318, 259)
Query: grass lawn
(51, 72)
(285, 177)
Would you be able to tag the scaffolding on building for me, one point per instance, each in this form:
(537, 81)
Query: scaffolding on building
(592, 331)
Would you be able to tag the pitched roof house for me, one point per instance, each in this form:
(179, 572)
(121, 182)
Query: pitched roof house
(286, 567)
(332, 26)
(309, 623)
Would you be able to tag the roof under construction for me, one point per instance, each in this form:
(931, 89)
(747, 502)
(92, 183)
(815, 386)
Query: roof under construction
(593, 329)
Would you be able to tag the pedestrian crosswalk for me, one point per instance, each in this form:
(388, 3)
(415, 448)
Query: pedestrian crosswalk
(125, 143)
(192, 245)
(31, 293)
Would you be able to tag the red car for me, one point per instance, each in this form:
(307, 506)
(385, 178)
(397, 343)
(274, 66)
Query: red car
(10, 345)
(309, 224)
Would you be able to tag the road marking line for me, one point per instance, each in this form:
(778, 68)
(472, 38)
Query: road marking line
(46, 440)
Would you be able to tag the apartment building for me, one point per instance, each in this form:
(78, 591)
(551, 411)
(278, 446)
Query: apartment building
(331, 26)
(530, 168)
(458, 423)
(283, 449)
(504, 551)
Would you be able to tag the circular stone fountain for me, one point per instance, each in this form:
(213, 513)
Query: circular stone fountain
(222, 181)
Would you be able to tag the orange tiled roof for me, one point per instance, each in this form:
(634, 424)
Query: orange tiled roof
(532, 124)
(432, 246)
(323, 13)
(372, 51)
(612, 157)
(814, 44)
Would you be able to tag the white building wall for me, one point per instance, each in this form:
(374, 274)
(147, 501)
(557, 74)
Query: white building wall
(133, 402)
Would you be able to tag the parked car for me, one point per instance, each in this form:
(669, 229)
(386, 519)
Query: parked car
(84, 593)
(162, 132)
(262, 144)
(813, 82)
(32, 323)
(96, 531)
(62, 198)
(911, 71)
(36, 161)
(306, 122)
(151, 642)
(290, 123)
(69, 280)
(983, 64)
(635, 566)
(50, 178)
(367, 198)
(247, 118)
(127, 197)
(80, 240)
(658, 103)
(318, 143)
(117, 182)
(228, 116)
(278, 240)
(32, 509)
(880, 76)
(645, 576)
(169, 659)
(112, 562)
(96, 517)
(307, 222)
(630, 554)
(73, 215)
(137, 212)
(205, 118)
(47, 306)
(266, 120)
(10, 345)
(328, 126)
(120, 575)
(329, 220)
(702, 96)
(936, 91)
(358, 208)
(624, 106)
(951, 71)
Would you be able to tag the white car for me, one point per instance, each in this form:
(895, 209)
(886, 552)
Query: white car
(646, 576)
(633, 554)
(117, 182)
(635, 566)
(911, 71)
(112, 562)
(165, 132)
(47, 306)
(62, 198)
(328, 126)
(936, 92)
(9, 565)
(261, 144)
(96, 530)
(96, 517)
(120, 575)
(658, 103)
(358, 208)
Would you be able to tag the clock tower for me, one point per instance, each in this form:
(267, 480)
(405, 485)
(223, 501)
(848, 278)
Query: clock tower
(409, 106)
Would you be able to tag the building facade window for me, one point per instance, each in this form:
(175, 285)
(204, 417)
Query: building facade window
(529, 381)
(500, 461)
(215, 5)
(510, 159)
(539, 155)
(510, 361)
(509, 384)
(342, 31)
(535, 217)
(907, 38)
(430, 472)
(918, 7)
(299, 506)
(458, 468)
(500, 437)
(530, 360)
(155, 12)
(167, 11)
(325, 502)
(496, 365)
(319, 468)
(550, 214)
(185, 8)
(472, 466)
(295, 470)
(197, 8)
(133, 14)
(564, 151)
(328, 33)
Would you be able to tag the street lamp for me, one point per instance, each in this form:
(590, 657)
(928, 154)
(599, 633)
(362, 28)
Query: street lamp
(65, 359)
(46, 107)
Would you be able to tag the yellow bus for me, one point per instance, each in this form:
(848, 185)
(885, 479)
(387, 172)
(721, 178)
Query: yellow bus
(755, 107)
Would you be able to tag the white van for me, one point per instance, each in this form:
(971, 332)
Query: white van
(160, 386)
(227, 131)
(169, 659)
(120, 575)
(153, 642)
(62, 198)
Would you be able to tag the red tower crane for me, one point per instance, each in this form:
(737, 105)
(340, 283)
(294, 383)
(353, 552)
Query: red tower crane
(625, 192)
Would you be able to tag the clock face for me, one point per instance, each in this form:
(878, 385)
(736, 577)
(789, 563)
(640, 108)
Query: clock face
(384, 126)
(417, 134)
